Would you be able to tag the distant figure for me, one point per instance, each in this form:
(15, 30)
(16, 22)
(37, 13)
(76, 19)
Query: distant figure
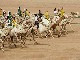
(10, 15)
(40, 14)
(46, 15)
(19, 12)
(14, 22)
(27, 13)
(9, 21)
(62, 12)
(56, 17)
(55, 12)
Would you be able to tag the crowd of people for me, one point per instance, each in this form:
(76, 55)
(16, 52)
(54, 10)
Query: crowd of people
(10, 18)
(11, 21)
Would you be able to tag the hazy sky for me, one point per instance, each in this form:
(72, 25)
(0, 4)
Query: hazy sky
(12, 5)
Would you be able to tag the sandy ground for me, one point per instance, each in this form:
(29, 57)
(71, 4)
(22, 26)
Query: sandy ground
(64, 48)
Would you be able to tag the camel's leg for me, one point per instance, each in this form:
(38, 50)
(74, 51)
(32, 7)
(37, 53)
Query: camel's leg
(70, 26)
(51, 33)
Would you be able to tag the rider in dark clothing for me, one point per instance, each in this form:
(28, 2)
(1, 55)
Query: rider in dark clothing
(19, 12)
(40, 14)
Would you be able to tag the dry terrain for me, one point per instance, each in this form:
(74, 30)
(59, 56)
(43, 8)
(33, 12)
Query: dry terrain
(64, 48)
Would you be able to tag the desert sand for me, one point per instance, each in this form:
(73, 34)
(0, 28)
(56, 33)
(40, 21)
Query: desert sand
(64, 48)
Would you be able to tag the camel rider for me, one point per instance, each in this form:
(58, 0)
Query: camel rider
(40, 14)
(56, 17)
(46, 15)
(62, 12)
(19, 12)
(36, 21)
(27, 13)
(14, 22)
(9, 21)
(10, 15)
(55, 12)
(9, 18)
